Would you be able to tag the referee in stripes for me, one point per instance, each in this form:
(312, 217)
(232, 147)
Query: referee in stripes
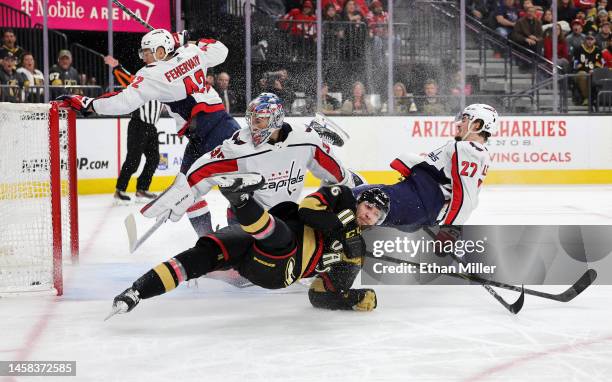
(141, 139)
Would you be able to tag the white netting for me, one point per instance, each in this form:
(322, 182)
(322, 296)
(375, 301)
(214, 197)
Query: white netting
(26, 252)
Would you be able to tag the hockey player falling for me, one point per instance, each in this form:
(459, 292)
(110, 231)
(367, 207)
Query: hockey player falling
(443, 187)
(282, 154)
(177, 78)
(273, 249)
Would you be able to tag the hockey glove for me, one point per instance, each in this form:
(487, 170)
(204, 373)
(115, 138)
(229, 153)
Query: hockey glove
(354, 246)
(363, 300)
(77, 103)
(180, 38)
(174, 201)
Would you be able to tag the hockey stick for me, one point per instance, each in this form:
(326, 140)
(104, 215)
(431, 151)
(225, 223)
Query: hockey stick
(569, 294)
(133, 15)
(130, 226)
(513, 308)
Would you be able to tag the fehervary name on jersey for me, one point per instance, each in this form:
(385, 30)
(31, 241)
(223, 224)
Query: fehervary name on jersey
(179, 70)
(507, 128)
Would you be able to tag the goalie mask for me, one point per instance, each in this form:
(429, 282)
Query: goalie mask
(155, 39)
(266, 105)
(375, 197)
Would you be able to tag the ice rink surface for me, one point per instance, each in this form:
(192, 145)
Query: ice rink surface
(220, 333)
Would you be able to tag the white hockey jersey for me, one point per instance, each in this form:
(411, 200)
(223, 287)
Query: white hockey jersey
(283, 164)
(459, 168)
(179, 82)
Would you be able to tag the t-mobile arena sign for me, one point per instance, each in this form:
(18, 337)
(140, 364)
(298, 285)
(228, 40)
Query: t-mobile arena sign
(93, 14)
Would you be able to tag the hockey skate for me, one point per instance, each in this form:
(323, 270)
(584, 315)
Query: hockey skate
(124, 302)
(144, 196)
(237, 188)
(121, 198)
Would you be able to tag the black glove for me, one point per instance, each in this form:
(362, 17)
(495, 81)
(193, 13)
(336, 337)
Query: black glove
(77, 103)
(352, 242)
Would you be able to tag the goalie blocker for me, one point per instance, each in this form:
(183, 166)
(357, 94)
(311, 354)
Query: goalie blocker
(320, 237)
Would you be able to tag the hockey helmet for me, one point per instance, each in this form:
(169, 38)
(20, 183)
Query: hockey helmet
(376, 197)
(155, 39)
(487, 114)
(266, 105)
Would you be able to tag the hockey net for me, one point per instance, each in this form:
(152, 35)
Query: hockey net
(38, 196)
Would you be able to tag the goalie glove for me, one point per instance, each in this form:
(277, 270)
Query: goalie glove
(175, 200)
(77, 103)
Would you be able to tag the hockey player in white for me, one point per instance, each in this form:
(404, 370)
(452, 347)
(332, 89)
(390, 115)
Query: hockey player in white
(280, 152)
(177, 77)
(443, 187)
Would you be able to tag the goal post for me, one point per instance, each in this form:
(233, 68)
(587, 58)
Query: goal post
(38, 196)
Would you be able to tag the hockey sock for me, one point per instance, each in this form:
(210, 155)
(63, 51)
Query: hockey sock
(189, 264)
(202, 224)
(199, 217)
(270, 233)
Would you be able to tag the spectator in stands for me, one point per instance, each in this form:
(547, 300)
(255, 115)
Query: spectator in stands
(431, 103)
(404, 103)
(227, 96)
(63, 74)
(456, 86)
(351, 12)
(276, 82)
(357, 103)
(331, 15)
(377, 20)
(607, 56)
(31, 78)
(506, 16)
(337, 4)
(528, 4)
(586, 58)
(576, 38)
(566, 10)
(547, 17)
(10, 87)
(9, 44)
(603, 36)
(528, 30)
(329, 104)
(300, 22)
(602, 16)
(355, 31)
(563, 55)
(210, 77)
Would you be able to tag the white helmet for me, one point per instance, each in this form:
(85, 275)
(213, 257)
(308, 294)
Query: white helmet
(487, 114)
(154, 39)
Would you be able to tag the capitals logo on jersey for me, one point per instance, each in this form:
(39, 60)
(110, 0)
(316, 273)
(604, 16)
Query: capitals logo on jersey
(285, 180)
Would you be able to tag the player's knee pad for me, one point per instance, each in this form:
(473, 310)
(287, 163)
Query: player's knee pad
(203, 258)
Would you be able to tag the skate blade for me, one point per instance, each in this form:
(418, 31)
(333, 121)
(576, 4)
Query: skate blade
(115, 310)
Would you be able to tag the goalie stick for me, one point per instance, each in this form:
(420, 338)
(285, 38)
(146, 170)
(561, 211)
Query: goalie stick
(222, 180)
(130, 226)
(569, 294)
